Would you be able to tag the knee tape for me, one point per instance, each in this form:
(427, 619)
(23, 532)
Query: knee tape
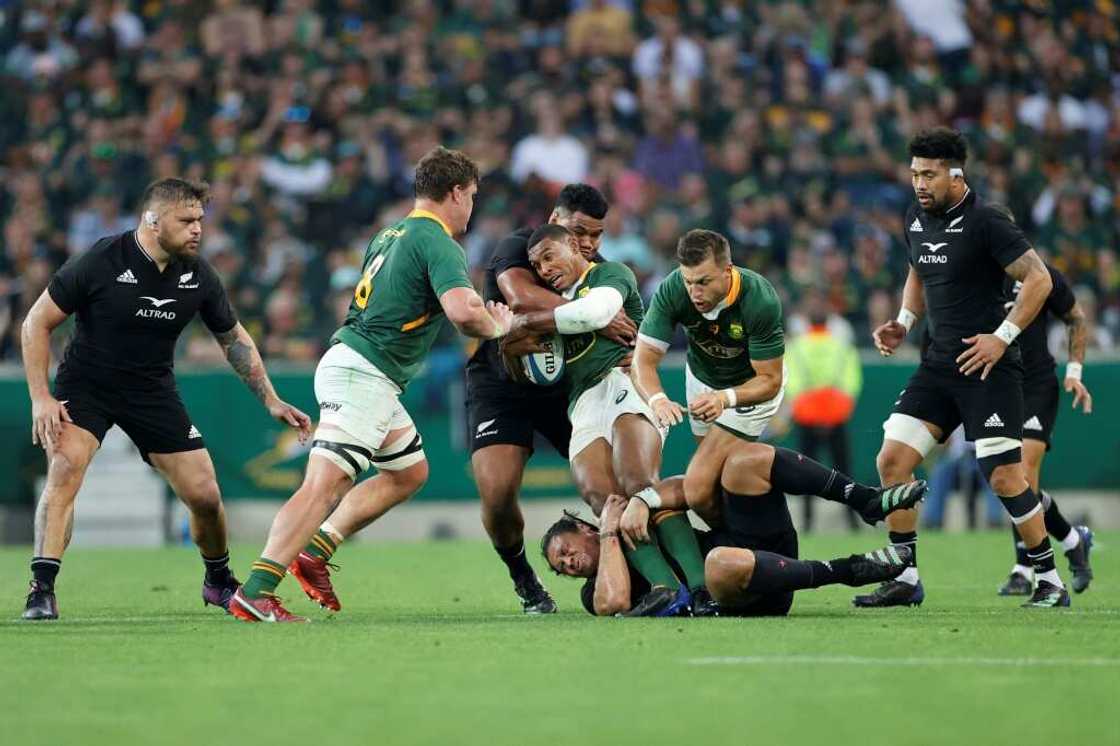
(995, 452)
(352, 459)
(909, 431)
(401, 457)
(1022, 506)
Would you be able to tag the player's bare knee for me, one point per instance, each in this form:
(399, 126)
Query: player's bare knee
(412, 479)
(203, 498)
(727, 571)
(893, 466)
(1007, 480)
(65, 470)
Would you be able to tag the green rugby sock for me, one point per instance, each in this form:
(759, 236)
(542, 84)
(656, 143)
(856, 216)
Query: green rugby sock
(678, 541)
(322, 545)
(650, 563)
(264, 578)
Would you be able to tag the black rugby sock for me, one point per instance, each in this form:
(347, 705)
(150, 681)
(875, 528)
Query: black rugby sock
(516, 561)
(774, 573)
(217, 569)
(1056, 523)
(796, 474)
(45, 570)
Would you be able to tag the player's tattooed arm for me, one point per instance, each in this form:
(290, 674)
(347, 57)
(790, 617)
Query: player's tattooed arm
(1031, 271)
(1078, 330)
(245, 359)
(1078, 333)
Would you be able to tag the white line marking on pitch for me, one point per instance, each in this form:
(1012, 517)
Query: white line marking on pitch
(855, 660)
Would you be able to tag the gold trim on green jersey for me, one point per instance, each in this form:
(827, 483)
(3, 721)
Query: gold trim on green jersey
(429, 216)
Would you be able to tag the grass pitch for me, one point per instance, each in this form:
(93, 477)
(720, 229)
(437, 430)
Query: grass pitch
(430, 648)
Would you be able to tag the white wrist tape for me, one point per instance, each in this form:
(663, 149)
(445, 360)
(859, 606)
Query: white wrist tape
(1073, 370)
(907, 318)
(650, 497)
(655, 397)
(1007, 331)
(732, 398)
(589, 313)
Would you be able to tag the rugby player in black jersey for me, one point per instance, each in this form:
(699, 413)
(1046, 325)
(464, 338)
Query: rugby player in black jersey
(504, 415)
(1040, 408)
(960, 252)
(133, 295)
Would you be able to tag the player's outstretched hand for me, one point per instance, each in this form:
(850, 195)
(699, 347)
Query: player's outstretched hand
(888, 337)
(667, 412)
(634, 525)
(707, 407)
(289, 415)
(47, 416)
(622, 329)
(984, 351)
(1081, 395)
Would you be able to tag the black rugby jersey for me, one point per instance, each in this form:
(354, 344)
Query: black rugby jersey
(130, 315)
(1038, 363)
(960, 257)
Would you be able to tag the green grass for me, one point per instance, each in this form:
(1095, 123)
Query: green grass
(429, 649)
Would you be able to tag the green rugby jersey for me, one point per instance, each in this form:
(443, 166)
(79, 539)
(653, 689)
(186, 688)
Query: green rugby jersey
(395, 314)
(589, 357)
(745, 326)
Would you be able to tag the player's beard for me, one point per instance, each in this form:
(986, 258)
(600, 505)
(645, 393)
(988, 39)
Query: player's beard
(184, 253)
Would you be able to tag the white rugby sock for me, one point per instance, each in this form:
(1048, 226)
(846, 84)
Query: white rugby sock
(1023, 570)
(1071, 541)
(1051, 577)
(909, 575)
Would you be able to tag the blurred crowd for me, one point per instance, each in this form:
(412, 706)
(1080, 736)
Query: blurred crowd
(781, 123)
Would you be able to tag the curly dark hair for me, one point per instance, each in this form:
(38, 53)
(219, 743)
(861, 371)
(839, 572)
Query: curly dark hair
(941, 143)
(583, 198)
(568, 523)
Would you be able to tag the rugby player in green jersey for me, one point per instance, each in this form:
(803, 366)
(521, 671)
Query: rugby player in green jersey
(734, 378)
(615, 446)
(413, 275)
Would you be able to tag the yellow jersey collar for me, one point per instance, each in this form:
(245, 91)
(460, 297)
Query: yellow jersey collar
(430, 216)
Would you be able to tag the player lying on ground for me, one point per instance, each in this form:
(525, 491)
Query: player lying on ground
(751, 569)
(734, 377)
(413, 274)
(133, 295)
(1040, 412)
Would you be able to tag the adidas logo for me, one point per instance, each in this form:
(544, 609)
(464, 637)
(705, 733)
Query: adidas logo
(127, 277)
(194, 433)
(1032, 424)
(916, 226)
(994, 421)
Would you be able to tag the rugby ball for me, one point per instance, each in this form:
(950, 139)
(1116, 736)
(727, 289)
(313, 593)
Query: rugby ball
(545, 368)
